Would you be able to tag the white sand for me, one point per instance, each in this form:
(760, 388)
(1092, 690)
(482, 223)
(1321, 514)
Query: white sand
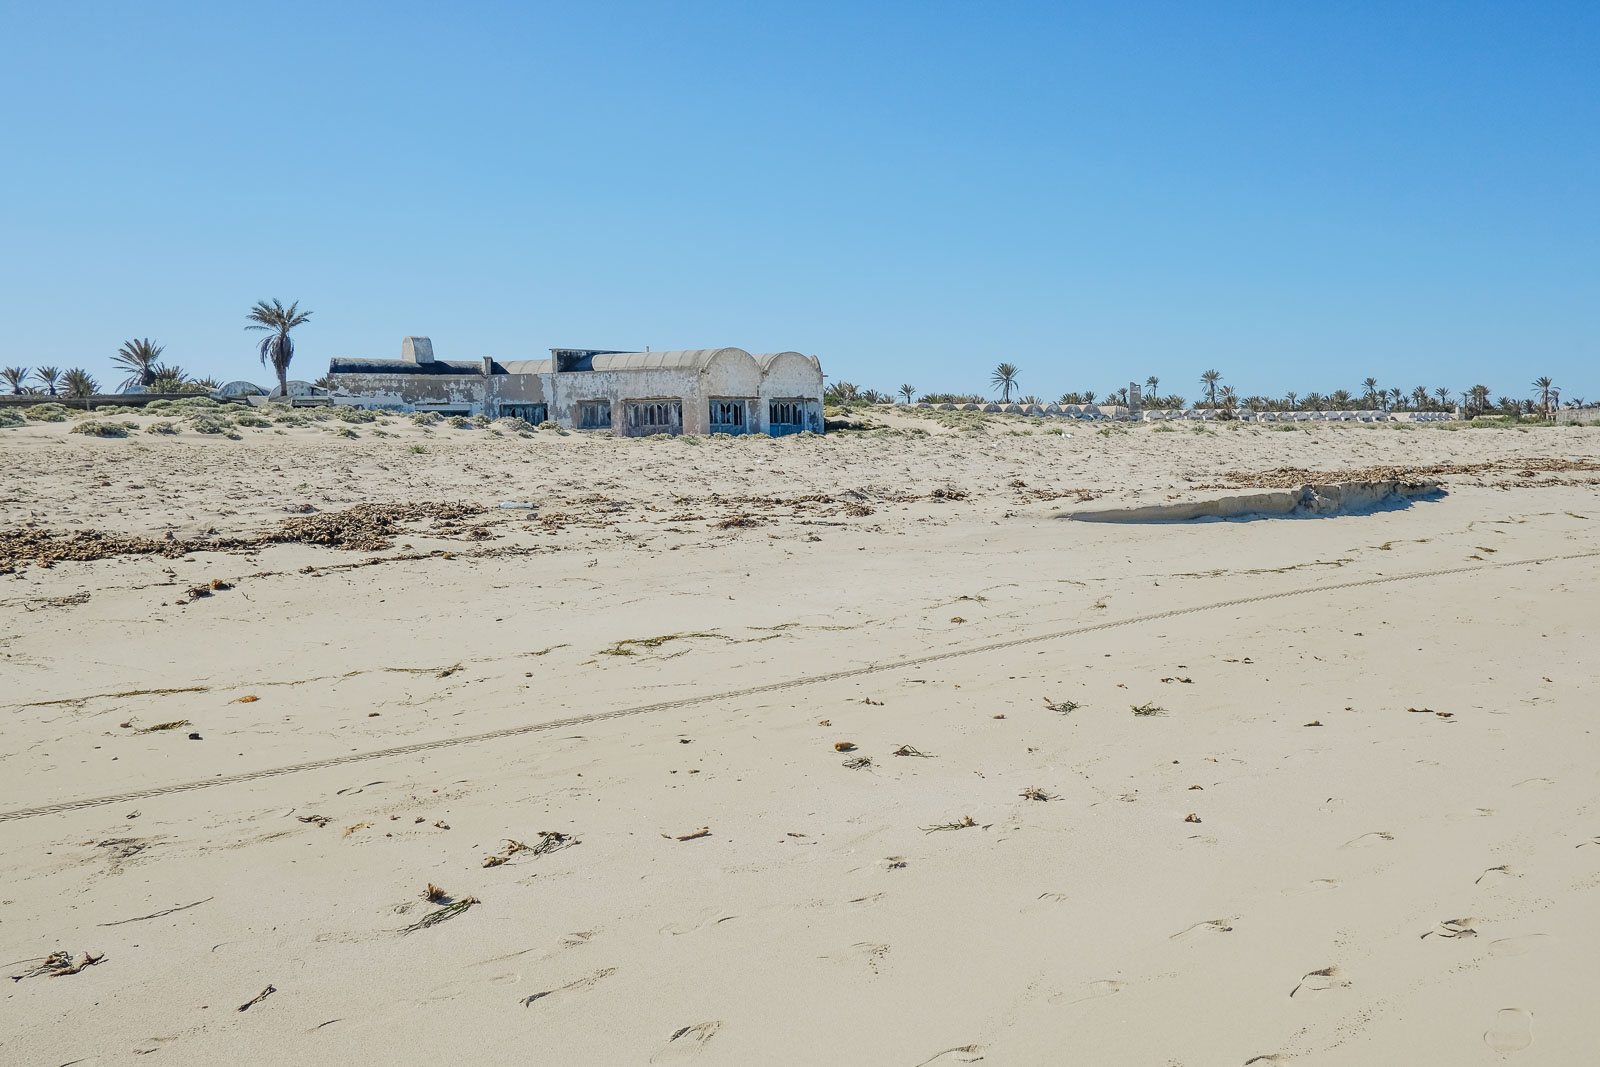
(818, 923)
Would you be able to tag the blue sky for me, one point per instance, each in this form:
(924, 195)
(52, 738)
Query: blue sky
(1299, 195)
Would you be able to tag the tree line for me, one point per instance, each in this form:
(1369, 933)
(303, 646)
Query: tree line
(1476, 400)
(139, 361)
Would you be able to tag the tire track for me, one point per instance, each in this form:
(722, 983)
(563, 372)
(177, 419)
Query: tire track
(771, 687)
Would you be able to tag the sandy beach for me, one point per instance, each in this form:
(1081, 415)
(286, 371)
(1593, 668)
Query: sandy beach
(815, 750)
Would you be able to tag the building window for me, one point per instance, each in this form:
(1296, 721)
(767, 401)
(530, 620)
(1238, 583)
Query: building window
(727, 416)
(594, 415)
(532, 413)
(646, 417)
(786, 416)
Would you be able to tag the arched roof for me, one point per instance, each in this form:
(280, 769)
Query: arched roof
(768, 359)
(696, 359)
(528, 366)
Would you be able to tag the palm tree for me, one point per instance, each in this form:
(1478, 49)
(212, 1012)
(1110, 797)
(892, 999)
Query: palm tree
(909, 392)
(1209, 381)
(1479, 395)
(1340, 399)
(1371, 387)
(1544, 387)
(173, 379)
(1419, 397)
(48, 376)
(843, 392)
(1152, 383)
(138, 358)
(1443, 393)
(1088, 396)
(1289, 399)
(78, 383)
(14, 377)
(1395, 397)
(1004, 379)
(277, 349)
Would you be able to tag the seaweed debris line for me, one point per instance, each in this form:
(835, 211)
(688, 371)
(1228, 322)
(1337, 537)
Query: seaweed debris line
(1308, 501)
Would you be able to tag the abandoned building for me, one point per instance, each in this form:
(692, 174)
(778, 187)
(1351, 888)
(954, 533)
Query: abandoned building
(701, 391)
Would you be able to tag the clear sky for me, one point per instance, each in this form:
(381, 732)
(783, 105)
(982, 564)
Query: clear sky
(1297, 194)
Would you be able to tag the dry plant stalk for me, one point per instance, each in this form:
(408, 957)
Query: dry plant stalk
(449, 911)
(57, 965)
(966, 821)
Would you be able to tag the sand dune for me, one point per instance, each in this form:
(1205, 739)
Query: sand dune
(1309, 790)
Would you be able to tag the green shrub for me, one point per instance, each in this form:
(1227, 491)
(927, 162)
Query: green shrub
(349, 414)
(250, 418)
(345, 431)
(481, 421)
(51, 412)
(11, 418)
(162, 426)
(424, 418)
(458, 421)
(210, 424)
(97, 428)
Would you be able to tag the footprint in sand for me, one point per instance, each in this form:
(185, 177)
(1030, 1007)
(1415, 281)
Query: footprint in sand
(1520, 946)
(959, 1054)
(1321, 981)
(687, 1042)
(1316, 885)
(870, 952)
(689, 926)
(1217, 926)
(586, 982)
(1475, 813)
(1105, 987)
(1495, 874)
(1454, 928)
(1372, 838)
(1043, 902)
(1512, 1030)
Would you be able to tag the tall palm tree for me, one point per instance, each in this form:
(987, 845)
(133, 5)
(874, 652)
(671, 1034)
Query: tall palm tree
(1443, 393)
(277, 348)
(909, 392)
(1395, 397)
(1208, 381)
(1543, 387)
(79, 383)
(1419, 397)
(1088, 396)
(48, 376)
(1004, 379)
(1290, 397)
(1371, 387)
(1228, 398)
(1340, 399)
(1479, 395)
(14, 377)
(139, 358)
(1152, 383)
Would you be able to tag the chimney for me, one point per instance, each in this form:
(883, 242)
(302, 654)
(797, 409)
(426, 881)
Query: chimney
(488, 366)
(416, 350)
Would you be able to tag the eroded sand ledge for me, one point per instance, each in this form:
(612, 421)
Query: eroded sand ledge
(1336, 498)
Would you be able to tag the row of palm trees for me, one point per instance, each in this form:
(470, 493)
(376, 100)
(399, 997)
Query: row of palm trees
(139, 360)
(1473, 401)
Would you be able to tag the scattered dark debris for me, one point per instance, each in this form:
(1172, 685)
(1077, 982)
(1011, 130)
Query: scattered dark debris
(858, 762)
(320, 820)
(58, 964)
(907, 750)
(258, 998)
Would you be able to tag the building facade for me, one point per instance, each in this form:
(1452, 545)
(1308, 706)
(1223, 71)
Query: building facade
(635, 394)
